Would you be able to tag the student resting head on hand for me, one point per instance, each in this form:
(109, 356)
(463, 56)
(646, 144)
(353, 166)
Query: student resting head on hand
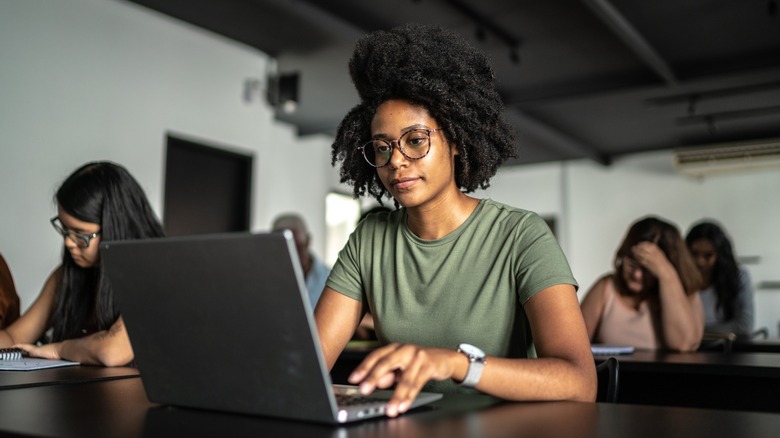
(651, 300)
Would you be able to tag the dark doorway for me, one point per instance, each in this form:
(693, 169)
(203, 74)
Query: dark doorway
(207, 189)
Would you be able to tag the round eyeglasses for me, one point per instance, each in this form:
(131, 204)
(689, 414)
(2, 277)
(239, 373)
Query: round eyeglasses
(81, 240)
(414, 144)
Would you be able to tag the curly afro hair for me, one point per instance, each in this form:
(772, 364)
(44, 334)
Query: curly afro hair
(436, 69)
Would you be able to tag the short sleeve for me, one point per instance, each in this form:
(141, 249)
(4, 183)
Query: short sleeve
(345, 275)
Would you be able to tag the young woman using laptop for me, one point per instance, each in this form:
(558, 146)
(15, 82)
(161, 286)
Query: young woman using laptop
(466, 294)
(99, 201)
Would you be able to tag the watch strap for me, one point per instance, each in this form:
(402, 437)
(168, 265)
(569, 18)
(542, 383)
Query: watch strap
(474, 372)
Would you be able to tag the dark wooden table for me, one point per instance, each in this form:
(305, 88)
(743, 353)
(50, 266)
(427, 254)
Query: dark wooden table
(119, 408)
(741, 380)
(756, 346)
(736, 381)
(63, 375)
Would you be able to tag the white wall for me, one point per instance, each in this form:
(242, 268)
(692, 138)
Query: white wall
(101, 79)
(595, 205)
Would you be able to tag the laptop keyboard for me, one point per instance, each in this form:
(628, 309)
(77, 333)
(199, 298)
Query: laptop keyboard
(353, 399)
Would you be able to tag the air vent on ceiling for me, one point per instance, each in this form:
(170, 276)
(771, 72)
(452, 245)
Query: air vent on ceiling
(707, 159)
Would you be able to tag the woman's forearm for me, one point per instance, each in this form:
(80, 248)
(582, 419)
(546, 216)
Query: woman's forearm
(682, 327)
(107, 347)
(5, 339)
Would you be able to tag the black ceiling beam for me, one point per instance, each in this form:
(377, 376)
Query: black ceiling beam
(714, 93)
(728, 115)
(633, 39)
(557, 139)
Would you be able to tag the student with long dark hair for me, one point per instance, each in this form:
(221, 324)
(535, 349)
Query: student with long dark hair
(99, 201)
(727, 293)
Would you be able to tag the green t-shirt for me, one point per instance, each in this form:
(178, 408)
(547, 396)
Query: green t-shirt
(469, 286)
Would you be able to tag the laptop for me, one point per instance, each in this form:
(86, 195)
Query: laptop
(223, 322)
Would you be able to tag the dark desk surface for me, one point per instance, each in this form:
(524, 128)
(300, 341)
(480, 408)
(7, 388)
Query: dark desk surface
(738, 381)
(64, 375)
(741, 381)
(754, 358)
(120, 408)
(747, 363)
(757, 346)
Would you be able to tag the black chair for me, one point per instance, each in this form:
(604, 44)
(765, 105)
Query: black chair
(608, 373)
(718, 341)
(762, 333)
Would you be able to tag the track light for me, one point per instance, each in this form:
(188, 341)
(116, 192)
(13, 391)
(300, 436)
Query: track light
(485, 23)
(514, 55)
(693, 100)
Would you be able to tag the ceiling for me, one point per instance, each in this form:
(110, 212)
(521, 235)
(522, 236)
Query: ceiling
(593, 79)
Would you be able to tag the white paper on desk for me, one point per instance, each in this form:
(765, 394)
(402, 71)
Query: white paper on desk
(607, 350)
(33, 363)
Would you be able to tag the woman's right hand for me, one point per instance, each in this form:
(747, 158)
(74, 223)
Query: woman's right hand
(682, 315)
(651, 257)
(409, 367)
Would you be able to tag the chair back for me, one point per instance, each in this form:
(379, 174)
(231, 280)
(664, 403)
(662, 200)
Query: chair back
(718, 341)
(608, 373)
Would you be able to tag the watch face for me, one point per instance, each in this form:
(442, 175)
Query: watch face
(471, 350)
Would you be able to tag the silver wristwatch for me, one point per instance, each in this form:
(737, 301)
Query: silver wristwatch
(476, 364)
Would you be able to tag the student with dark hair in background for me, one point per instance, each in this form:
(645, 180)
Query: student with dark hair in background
(467, 294)
(100, 201)
(727, 293)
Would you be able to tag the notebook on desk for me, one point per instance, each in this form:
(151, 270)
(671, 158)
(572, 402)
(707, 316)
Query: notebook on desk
(223, 322)
(16, 359)
(610, 350)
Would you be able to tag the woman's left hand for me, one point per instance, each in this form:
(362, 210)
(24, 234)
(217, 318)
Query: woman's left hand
(408, 366)
(47, 351)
